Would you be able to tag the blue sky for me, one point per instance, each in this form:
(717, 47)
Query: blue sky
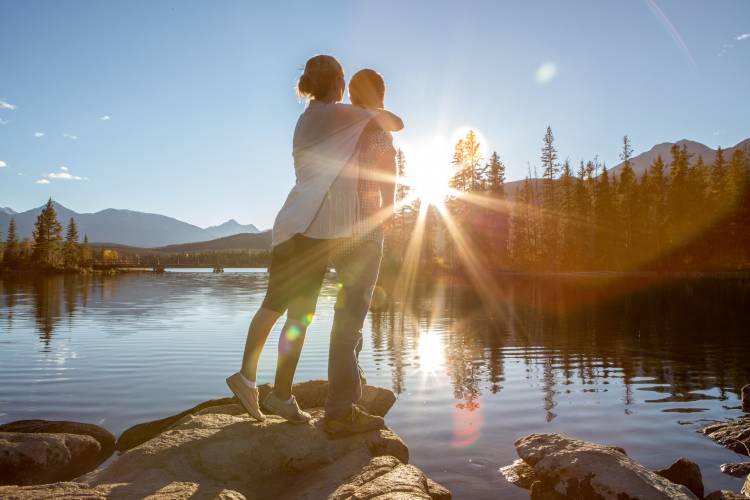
(199, 102)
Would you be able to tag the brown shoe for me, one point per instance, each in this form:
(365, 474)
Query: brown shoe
(290, 411)
(248, 396)
(357, 422)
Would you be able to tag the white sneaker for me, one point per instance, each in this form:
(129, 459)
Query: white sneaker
(248, 396)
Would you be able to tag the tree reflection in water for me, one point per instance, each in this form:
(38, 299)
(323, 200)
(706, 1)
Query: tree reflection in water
(688, 335)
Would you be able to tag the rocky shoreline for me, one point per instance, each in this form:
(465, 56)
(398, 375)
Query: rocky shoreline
(214, 450)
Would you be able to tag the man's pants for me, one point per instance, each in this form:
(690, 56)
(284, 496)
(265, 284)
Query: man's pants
(357, 273)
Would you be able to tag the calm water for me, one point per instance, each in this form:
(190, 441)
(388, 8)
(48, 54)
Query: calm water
(641, 365)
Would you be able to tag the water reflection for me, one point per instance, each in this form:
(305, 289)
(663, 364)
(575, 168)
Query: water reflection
(685, 337)
(582, 355)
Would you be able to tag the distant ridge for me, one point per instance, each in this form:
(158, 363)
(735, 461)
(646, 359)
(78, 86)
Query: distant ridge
(229, 228)
(642, 161)
(244, 241)
(125, 227)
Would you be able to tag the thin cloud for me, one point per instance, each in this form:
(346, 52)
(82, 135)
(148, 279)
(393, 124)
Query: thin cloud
(741, 37)
(41, 181)
(4, 122)
(6, 105)
(3, 164)
(546, 72)
(70, 136)
(105, 118)
(39, 134)
(64, 175)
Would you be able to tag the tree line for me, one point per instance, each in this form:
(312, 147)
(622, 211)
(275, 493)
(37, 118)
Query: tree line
(48, 249)
(685, 213)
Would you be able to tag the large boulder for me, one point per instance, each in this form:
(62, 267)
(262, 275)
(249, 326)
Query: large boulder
(567, 468)
(103, 436)
(310, 394)
(685, 472)
(27, 458)
(221, 449)
(221, 452)
(387, 477)
(734, 434)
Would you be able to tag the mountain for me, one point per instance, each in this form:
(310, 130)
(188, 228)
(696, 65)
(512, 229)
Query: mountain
(125, 227)
(642, 161)
(7, 210)
(244, 241)
(229, 228)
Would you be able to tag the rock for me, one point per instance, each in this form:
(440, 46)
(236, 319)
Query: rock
(726, 495)
(734, 435)
(567, 468)
(310, 394)
(746, 487)
(386, 477)
(519, 473)
(27, 458)
(52, 492)
(221, 452)
(745, 395)
(736, 470)
(103, 436)
(222, 448)
(685, 472)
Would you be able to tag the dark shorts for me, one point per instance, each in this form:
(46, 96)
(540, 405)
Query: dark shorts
(295, 276)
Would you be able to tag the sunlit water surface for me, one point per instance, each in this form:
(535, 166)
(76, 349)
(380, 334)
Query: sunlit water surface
(643, 364)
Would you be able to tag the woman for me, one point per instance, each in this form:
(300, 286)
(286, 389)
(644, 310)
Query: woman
(320, 209)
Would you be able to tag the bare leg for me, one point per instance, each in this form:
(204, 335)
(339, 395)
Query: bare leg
(291, 340)
(257, 334)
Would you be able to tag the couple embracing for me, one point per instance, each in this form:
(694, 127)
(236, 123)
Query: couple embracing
(344, 163)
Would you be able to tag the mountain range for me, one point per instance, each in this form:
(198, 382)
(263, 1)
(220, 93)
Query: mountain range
(126, 227)
(641, 162)
(146, 230)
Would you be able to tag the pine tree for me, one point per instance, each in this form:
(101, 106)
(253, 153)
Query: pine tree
(472, 162)
(718, 180)
(85, 250)
(71, 249)
(656, 194)
(12, 250)
(566, 212)
(581, 232)
(627, 197)
(47, 236)
(604, 217)
(496, 172)
(738, 226)
(550, 221)
(459, 181)
(523, 240)
(678, 226)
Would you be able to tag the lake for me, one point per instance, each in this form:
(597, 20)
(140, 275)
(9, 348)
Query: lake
(641, 363)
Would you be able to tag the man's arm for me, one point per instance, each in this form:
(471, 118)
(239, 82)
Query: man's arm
(388, 121)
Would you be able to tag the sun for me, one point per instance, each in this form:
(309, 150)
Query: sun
(428, 174)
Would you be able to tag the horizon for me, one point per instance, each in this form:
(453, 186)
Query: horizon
(264, 229)
(184, 114)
